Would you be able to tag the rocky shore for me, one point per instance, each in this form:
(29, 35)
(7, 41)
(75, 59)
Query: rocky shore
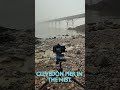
(106, 6)
(80, 28)
(75, 60)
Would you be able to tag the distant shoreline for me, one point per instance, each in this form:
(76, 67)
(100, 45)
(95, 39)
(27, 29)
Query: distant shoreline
(70, 32)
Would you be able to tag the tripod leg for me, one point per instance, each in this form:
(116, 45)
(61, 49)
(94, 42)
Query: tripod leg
(77, 82)
(45, 84)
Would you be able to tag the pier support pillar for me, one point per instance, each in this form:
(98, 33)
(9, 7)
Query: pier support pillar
(67, 23)
(72, 23)
(55, 24)
(59, 23)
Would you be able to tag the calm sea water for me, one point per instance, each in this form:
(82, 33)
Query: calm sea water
(50, 31)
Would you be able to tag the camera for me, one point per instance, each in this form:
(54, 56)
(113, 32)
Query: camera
(58, 49)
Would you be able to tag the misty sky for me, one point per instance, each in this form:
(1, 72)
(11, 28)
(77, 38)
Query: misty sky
(51, 9)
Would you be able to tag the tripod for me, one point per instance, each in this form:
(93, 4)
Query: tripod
(60, 70)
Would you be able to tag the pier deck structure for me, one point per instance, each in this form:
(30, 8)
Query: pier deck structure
(67, 19)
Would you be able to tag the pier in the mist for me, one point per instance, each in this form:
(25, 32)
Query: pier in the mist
(68, 19)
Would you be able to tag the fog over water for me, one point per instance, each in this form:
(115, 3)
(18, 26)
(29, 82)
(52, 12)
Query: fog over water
(50, 30)
(51, 9)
